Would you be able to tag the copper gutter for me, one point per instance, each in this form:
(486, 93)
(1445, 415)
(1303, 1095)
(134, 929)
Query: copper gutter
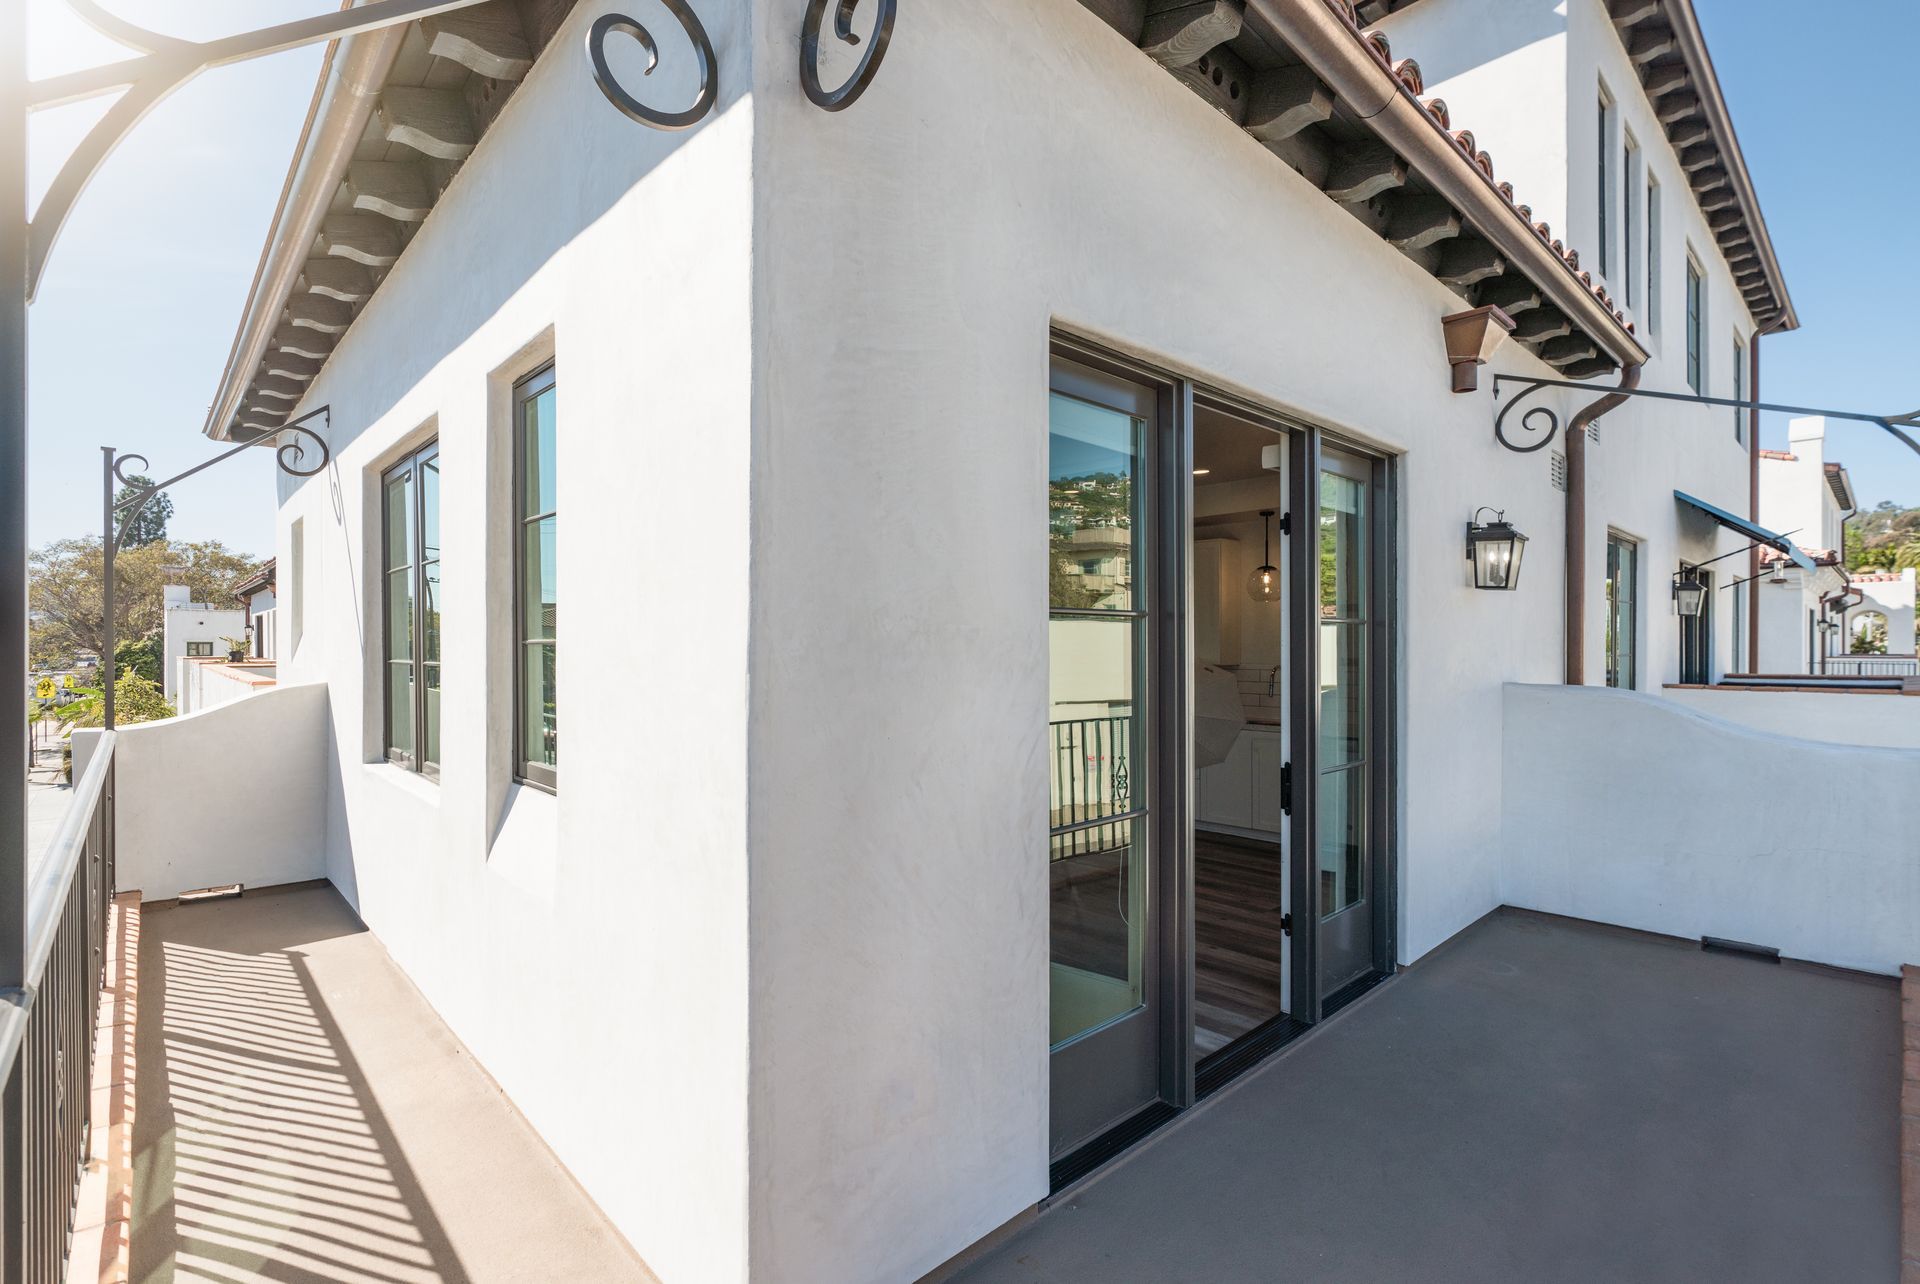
(1577, 522)
(350, 82)
(1337, 54)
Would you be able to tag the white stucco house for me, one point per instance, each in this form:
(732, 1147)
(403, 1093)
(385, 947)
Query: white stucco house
(1003, 521)
(1810, 616)
(192, 631)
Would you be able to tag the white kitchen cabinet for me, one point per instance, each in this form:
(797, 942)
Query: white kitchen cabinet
(1216, 607)
(1243, 793)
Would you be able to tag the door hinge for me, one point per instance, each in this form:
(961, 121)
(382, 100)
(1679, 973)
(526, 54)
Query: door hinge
(1286, 789)
(1286, 523)
(1286, 925)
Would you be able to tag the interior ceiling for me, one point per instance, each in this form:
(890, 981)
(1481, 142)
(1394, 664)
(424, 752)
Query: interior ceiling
(1228, 448)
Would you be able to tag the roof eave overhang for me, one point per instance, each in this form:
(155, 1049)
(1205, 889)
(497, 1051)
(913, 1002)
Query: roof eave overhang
(1341, 56)
(1692, 46)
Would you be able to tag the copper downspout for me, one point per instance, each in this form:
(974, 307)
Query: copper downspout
(1753, 499)
(1577, 523)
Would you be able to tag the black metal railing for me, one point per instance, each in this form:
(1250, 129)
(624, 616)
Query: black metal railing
(1092, 785)
(46, 1033)
(1873, 666)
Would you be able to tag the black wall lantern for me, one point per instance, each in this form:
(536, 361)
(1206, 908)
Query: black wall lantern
(1689, 594)
(1495, 551)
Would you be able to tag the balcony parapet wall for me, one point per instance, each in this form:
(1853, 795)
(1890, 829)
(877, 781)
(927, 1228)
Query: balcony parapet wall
(1635, 810)
(232, 794)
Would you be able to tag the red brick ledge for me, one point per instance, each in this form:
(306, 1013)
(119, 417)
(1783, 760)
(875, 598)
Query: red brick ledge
(1910, 1125)
(102, 1219)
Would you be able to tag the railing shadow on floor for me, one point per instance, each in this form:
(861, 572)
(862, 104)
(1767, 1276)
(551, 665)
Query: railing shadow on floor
(261, 1151)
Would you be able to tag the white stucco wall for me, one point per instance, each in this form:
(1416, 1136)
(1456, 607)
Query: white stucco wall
(1016, 166)
(791, 895)
(589, 947)
(1887, 720)
(234, 794)
(1707, 828)
(183, 624)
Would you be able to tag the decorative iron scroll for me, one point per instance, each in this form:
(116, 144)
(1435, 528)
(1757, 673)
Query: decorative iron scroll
(815, 24)
(290, 455)
(1527, 424)
(632, 107)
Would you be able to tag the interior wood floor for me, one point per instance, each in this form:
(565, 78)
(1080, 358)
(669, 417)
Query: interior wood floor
(1238, 943)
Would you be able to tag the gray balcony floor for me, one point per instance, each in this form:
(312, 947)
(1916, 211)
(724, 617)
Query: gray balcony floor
(1539, 1099)
(303, 1115)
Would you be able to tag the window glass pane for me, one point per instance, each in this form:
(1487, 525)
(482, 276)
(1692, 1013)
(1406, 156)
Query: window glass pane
(400, 614)
(1343, 694)
(1341, 819)
(399, 517)
(1342, 558)
(537, 722)
(430, 712)
(537, 463)
(539, 571)
(1096, 864)
(1093, 502)
(430, 508)
(400, 707)
(430, 612)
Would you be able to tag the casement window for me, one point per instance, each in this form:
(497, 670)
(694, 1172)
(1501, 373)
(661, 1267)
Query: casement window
(296, 582)
(1696, 328)
(1653, 254)
(1623, 610)
(1739, 389)
(1604, 200)
(1629, 218)
(200, 648)
(535, 579)
(410, 522)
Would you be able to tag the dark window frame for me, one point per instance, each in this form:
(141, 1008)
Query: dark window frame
(414, 465)
(1623, 612)
(1696, 327)
(1604, 205)
(1739, 389)
(200, 650)
(526, 390)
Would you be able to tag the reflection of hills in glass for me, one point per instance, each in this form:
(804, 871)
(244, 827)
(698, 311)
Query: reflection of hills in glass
(1091, 541)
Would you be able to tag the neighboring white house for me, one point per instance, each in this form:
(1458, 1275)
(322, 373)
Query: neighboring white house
(257, 594)
(192, 630)
(889, 459)
(1808, 619)
(1885, 601)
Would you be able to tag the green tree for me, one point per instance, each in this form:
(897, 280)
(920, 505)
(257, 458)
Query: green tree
(149, 525)
(64, 592)
(143, 656)
(135, 699)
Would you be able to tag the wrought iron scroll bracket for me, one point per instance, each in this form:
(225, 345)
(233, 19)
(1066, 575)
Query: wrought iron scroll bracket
(814, 27)
(629, 106)
(291, 456)
(1547, 431)
(1895, 426)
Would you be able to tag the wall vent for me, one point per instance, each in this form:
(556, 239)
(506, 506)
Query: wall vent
(1593, 432)
(1557, 470)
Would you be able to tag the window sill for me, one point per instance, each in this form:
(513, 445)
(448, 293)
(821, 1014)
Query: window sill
(425, 788)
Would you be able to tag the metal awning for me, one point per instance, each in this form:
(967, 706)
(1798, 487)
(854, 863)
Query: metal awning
(1751, 530)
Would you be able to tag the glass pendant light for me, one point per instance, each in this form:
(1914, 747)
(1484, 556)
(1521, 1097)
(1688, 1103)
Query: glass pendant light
(1263, 585)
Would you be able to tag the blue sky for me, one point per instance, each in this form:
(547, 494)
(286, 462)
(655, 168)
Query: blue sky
(139, 305)
(1822, 99)
(144, 289)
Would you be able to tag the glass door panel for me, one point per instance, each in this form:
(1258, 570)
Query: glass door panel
(1344, 771)
(1103, 946)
